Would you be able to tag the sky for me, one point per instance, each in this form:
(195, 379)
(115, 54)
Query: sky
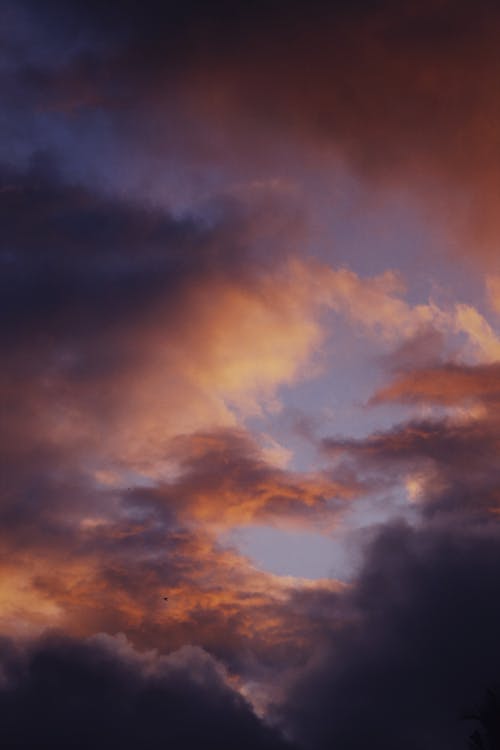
(250, 381)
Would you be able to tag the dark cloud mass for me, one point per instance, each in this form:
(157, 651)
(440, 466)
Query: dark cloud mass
(419, 647)
(101, 694)
(405, 91)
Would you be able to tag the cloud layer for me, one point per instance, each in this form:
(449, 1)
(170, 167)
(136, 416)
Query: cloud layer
(181, 189)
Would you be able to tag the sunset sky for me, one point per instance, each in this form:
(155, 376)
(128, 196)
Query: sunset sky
(250, 334)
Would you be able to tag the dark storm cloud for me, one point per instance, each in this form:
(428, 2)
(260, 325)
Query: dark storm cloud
(418, 647)
(100, 694)
(76, 263)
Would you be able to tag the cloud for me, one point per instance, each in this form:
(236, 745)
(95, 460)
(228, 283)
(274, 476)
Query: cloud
(223, 479)
(126, 327)
(453, 459)
(145, 343)
(493, 291)
(88, 557)
(481, 335)
(109, 315)
(100, 693)
(444, 457)
(447, 385)
(114, 578)
(112, 328)
(136, 340)
(405, 93)
(415, 649)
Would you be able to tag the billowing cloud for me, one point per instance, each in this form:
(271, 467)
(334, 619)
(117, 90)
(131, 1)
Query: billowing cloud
(417, 648)
(101, 693)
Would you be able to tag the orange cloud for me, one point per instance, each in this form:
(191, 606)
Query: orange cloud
(447, 385)
(116, 578)
(493, 291)
(223, 479)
